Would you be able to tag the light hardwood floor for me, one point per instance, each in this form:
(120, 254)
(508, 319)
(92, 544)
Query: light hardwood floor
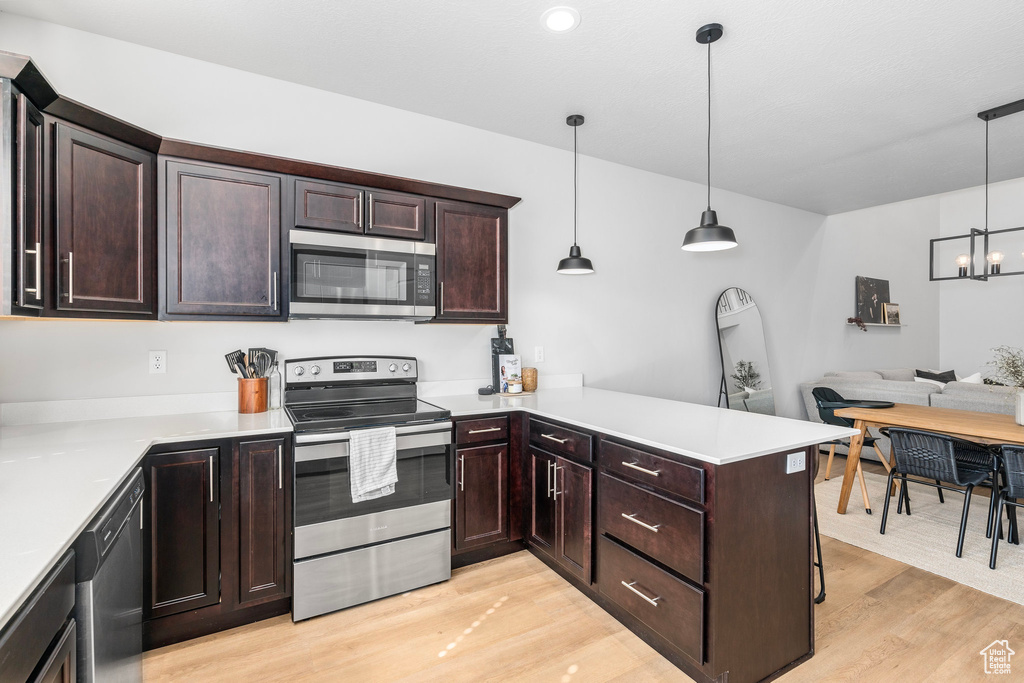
(513, 619)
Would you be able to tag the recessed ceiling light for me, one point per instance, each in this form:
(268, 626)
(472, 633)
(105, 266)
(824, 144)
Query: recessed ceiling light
(560, 19)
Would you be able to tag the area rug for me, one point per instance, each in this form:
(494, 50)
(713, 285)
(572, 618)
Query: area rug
(926, 539)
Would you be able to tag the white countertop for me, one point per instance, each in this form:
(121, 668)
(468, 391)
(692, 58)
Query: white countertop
(55, 477)
(702, 432)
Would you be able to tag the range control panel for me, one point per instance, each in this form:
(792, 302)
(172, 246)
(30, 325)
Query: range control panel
(342, 369)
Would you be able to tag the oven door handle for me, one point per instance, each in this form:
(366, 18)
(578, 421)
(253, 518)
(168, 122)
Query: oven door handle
(400, 431)
(341, 449)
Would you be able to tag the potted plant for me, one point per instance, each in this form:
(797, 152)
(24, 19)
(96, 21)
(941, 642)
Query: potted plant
(1008, 363)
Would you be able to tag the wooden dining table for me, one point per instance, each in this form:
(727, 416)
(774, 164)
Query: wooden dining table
(987, 428)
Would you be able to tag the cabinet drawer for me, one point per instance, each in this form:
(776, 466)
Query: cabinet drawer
(672, 608)
(669, 532)
(484, 429)
(561, 440)
(654, 470)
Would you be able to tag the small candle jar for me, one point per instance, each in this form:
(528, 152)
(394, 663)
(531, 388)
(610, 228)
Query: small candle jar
(515, 386)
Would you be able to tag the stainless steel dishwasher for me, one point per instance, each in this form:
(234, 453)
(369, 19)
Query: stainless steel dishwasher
(108, 594)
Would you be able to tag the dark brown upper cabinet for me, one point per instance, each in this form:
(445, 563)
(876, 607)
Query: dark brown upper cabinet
(28, 209)
(472, 263)
(221, 233)
(104, 225)
(396, 215)
(328, 206)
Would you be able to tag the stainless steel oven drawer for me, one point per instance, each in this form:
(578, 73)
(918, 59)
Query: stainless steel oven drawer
(332, 582)
(352, 532)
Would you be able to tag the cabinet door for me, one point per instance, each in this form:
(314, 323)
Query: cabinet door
(328, 206)
(396, 215)
(29, 206)
(223, 241)
(542, 501)
(573, 487)
(472, 262)
(104, 224)
(263, 525)
(61, 666)
(481, 497)
(183, 542)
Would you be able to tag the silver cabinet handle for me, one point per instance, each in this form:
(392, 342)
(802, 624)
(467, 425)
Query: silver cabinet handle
(71, 277)
(554, 438)
(653, 601)
(360, 208)
(555, 491)
(635, 466)
(462, 477)
(37, 252)
(484, 431)
(211, 478)
(633, 519)
(441, 287)
(549, 464)
(280, 468)
(275, 290)
(369, 201)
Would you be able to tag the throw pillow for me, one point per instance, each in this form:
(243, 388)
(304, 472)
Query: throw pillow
(899, 374)
(947, 376)
(930, 381)
(972, 379)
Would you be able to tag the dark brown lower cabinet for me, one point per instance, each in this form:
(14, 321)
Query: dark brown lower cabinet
(217, 550)
(481, 495)
(573, 485)
(542, 505)
(183, 543)
(263, 526)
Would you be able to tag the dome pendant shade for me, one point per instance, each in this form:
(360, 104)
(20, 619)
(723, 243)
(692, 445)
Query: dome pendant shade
(710, 236)
(575, 263)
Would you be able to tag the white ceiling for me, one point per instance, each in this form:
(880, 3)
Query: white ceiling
(826, 106)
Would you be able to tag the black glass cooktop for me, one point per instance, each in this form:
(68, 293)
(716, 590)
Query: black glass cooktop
(352, 415)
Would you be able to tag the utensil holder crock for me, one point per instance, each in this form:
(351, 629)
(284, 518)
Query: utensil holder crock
(252, 395)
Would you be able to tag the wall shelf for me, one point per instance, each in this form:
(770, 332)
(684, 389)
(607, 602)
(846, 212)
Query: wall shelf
(878, 325)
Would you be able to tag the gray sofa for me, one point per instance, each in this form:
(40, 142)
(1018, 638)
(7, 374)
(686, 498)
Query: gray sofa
(898, 386)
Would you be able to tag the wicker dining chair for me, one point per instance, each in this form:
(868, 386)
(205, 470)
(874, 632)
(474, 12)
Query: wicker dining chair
(939, 458)
(1013, 488)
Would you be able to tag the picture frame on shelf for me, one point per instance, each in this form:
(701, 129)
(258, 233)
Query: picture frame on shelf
(871, 294)
(891, 312)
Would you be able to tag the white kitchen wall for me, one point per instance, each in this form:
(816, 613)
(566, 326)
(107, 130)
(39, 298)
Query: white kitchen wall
(978, 316)
(643, 323)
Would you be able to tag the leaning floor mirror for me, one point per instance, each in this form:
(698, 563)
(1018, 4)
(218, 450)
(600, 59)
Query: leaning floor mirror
(746, 379)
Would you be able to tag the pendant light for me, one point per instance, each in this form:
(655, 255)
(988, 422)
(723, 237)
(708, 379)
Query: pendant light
(709, 236)
(575, 263)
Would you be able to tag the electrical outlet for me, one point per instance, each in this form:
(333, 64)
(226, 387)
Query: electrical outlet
(157, 362)
(795, 462)
(538, 354)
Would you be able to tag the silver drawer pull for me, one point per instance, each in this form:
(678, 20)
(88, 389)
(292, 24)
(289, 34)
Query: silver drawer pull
(633, 519)
(552, 437)
(653, 601)
(484, 431)
(635, 466)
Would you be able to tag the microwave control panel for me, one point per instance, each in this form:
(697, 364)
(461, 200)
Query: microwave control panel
(424, 284)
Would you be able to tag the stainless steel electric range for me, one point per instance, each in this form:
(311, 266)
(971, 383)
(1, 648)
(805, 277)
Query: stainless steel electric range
(347, 553)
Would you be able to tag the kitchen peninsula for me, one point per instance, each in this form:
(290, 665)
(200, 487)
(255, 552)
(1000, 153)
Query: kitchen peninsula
(726, 577)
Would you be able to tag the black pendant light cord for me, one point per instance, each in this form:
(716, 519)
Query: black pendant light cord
(575, 184)
(709, 126)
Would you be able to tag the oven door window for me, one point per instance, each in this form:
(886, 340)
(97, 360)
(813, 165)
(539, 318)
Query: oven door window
(352, 276)
(323, 493)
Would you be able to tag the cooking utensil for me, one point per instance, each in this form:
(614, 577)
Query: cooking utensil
(234, 359)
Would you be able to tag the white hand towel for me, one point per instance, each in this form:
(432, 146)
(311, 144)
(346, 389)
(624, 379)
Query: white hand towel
(372, 463)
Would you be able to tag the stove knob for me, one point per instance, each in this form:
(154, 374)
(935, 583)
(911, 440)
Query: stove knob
(406, 367)
(315, 370)
(299, 371)
(392, 367)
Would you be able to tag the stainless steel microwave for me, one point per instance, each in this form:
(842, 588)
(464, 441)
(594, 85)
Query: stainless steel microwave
(336, 275)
